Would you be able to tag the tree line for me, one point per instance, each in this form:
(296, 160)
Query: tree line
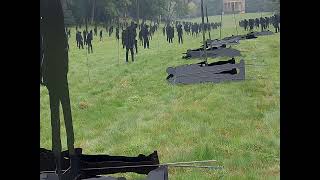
(106, 11)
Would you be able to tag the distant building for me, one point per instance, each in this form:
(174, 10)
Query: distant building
(237, 6)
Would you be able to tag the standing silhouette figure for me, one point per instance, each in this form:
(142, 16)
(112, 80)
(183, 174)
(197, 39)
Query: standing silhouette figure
(55, 61)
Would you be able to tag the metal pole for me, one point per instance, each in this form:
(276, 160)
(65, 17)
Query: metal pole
(119, 41)
(261, 17)
(138, 9)
(159, 21)
(234, 17)
(203, 34)
(221, 19)
(86, 21)
(208, 22)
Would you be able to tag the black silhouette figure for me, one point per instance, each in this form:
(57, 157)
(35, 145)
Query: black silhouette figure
(79, 40)
(117, 34)
(135, 26)
(180, 33)
(101, 35)
(95, 30)
(84, 37)
(170, 33)
(123, 38)
(55, 62)
(89, 41)
(129, 41)
(145, 36)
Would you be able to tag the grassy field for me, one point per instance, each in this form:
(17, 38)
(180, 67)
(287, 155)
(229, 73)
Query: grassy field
(128, 109)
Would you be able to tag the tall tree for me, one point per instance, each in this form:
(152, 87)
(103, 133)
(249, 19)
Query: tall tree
(93, 7)
(106, 10)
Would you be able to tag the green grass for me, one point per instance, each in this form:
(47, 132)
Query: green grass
(128, 109)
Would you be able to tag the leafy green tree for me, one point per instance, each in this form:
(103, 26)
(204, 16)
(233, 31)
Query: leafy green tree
(105, 11)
